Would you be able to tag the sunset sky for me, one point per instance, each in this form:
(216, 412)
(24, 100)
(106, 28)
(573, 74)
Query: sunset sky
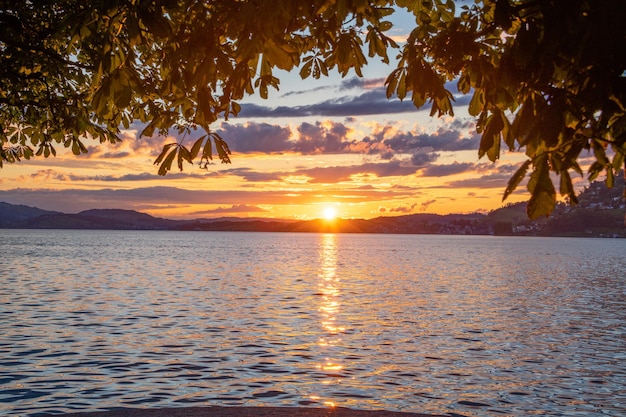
(334, 142)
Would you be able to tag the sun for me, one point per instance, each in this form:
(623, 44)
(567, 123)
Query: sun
(330, 213)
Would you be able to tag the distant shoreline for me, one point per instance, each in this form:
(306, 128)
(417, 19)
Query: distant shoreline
(251, 230)
(218, 411)
(507, 221)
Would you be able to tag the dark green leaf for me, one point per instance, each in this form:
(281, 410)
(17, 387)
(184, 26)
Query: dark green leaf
(207, 150)
(195, 149)
(610, 177)
(595, 169)
(164, 152)
(166, 165)
(566, 187)
(490, 140)
(543, 195)
(476, 103)
(516, 178)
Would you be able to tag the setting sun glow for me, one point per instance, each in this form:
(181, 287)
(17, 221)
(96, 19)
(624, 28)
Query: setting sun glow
(330, 213)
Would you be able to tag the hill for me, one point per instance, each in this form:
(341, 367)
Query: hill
(24, 217)
(14, 214)
(599, 213)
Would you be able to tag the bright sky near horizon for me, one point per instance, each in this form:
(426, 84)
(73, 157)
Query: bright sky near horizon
(313, 146)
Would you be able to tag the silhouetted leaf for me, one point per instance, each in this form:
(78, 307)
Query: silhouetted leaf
(476, 103)
(306, 69)
(595, 169)
(610, 177)
(183, 155)
(490, 140)
(543, 195)
(166, 165)
(195, 149)
(516, 179)
(164, 152)
(567, 188)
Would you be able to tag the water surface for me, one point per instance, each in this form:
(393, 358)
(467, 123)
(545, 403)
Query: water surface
(478, 326)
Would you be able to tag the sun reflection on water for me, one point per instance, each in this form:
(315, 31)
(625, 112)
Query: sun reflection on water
(329, 290)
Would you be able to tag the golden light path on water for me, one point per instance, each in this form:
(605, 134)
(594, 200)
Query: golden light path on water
(329, 307)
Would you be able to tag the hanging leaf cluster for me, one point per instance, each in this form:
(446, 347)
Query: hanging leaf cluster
(545, 76)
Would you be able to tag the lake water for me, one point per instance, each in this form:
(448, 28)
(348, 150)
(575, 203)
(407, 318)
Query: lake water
(477, 326)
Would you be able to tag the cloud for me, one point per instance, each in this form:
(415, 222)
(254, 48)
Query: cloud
(327, 175)
(235, 208)
(509, 169)
(131, 145)
(495, 180)
(346, 84)
(403, 209)
(444, 139)
(335, 174)
(426, 204)
(421, 159)
(322, 138)
(449, 169)
(314, 137)
(46, 175)
(370, 102)
(307, 91)
(50, 174)
(75, 200)
(114, 155)
(340, 138)
(255, 176)
(256, 137)
(361, 83)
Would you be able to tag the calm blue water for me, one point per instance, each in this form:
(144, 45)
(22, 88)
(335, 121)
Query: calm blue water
(478, 326)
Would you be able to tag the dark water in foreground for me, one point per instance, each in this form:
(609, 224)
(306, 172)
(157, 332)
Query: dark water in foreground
(470, 325)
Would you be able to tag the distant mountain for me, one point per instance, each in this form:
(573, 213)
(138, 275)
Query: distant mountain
(24, 217)
(129, 219)
(600, 212)
(15, 214)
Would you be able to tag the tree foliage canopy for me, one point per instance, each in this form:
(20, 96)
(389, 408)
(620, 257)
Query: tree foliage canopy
(546, 76)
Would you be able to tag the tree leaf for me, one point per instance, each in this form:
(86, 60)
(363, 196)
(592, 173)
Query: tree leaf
(207, 151)
(183, 155)
(516, 179)
(392, 83)
(166, 165)
(222, 148)
(305, 71)
(477, 102)
(490, 140)
(610, 177)
(164, 151)
(594, 170)
(618, 161)
(283, 56)
(195, 149)
(543, 194)
(567, 188)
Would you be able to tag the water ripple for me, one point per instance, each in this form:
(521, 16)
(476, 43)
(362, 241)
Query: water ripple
(472, 326)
